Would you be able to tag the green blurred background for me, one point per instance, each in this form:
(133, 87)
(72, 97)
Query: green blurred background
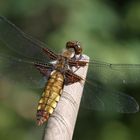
(109, 30)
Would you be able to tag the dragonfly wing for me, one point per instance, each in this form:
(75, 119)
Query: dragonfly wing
(119, 74)
(21, 71)
(21, 43)
(98, 98)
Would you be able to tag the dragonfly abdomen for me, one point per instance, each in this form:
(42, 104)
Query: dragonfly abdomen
(50, 97)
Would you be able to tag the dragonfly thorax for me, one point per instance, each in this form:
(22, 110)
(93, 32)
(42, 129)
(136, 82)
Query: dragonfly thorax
(61, 64)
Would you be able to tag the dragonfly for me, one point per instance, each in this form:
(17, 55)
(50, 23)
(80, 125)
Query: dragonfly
(31, 62)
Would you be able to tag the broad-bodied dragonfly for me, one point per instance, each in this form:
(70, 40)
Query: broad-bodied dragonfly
(28, 60)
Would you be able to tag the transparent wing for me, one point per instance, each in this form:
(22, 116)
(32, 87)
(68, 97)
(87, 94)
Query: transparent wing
(97, 98)
(21, 43)
(21, 71)
(102, 78)
(118, 74)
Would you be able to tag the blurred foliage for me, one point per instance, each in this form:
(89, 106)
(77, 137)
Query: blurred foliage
(108, 30)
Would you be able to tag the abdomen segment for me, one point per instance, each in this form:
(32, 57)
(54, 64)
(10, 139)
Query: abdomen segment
(50, 97)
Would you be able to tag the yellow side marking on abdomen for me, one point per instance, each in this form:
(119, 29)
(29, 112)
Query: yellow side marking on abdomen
(50, 97)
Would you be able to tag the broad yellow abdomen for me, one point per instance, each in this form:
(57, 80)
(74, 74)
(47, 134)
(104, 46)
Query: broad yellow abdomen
(50, 97)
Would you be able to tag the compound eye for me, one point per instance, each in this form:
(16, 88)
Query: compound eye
(78, 50)
(69, 44)
(78, 47)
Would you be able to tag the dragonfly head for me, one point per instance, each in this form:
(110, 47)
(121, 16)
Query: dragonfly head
(76, 46)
